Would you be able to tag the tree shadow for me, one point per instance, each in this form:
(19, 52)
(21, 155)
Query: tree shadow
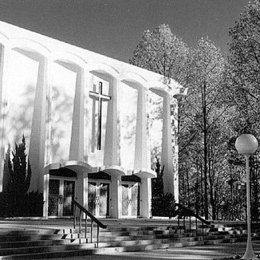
(61, 123)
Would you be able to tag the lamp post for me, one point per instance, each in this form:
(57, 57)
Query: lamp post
(247, 144)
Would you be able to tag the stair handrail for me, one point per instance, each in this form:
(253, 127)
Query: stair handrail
(92, 218)
(84, 210)
(192, 213)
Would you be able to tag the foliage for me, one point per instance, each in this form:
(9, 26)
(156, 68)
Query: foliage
(33, 204)
(221, 103)
(16, 201)
(233, 209)
(157, 183)
(163, 205)
(202, 134)
(243, 74)
(161, 51)
(242, 83)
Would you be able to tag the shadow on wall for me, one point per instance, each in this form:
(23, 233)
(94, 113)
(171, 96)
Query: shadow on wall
(18, 121)
(61, 122)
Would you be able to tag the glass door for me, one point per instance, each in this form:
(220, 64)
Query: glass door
(54, 198)
(125, 200)
(103, 199)
(68, 196)
(130, 200)
(98, 198)
(135, 200)
(92, 197)
(61, 194)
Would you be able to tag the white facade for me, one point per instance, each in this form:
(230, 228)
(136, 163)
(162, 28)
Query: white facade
(45, 94)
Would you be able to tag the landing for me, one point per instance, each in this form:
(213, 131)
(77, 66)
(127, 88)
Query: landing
(58, 223)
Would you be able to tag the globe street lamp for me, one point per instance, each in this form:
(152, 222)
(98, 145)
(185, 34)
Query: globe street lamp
(247, 144)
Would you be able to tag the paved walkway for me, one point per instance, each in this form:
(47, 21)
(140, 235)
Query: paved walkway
(196, 252)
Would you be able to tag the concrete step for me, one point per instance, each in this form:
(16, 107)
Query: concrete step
(53, 243)
(20, 232)
(31, 243)
(64, 254)
(61, 245)
(44, 249)
(31, 237)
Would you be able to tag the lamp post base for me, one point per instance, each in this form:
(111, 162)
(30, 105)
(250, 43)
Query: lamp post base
(250, 258)
(249, 254)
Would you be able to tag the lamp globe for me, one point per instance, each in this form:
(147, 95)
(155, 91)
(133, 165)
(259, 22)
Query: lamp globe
(246, 144)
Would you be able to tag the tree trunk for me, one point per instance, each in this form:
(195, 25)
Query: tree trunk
(201, 189)
(205, 148)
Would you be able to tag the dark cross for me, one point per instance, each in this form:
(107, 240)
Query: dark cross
(100, 97)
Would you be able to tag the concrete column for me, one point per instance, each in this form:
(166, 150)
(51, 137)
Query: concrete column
(111, 156)
(145, 197)
(174, 133)
(167, 154)
(87, 118)
(5, 57)
(148, 137)
(141, 158)
(77, 132)
(46, 180)
(48, 142)
(81, 189)
(38, 130)
(141, 135)
(115, 202)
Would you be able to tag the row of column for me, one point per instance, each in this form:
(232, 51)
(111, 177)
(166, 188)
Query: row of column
(40, 141)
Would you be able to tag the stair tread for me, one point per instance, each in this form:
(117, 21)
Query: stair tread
(22, 243)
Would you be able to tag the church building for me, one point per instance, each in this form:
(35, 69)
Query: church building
(92, 124)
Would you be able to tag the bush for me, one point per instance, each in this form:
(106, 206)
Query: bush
(31, 206)
(15, 201)
(164, 205)
(4, 205)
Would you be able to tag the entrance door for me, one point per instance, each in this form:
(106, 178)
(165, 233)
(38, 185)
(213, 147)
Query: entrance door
(61, 194)
(98, 198)
(68, 196)
(130, 200)
(54, 198)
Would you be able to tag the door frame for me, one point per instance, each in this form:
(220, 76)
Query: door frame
(129, 183)
(61, 180)
(98, 182)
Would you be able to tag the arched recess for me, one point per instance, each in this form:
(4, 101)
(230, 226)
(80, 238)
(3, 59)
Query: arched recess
(24, 94)
(142, 161)
(167, 156)
(134, 78)
(67, 113)
(133, 118)
(162, 92)
(104, 148)
(70, 181)
(4, 51)
(68, 58)
(157, 118)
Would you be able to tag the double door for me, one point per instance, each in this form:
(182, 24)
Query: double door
(130, 199)
(98, 198)
(61, 194)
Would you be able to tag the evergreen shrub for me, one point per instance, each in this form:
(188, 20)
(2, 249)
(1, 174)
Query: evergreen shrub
(164, 205)
(15, 200)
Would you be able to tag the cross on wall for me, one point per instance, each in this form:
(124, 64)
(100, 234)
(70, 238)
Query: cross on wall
(99, 97)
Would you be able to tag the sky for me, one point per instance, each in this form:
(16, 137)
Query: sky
(114, 27)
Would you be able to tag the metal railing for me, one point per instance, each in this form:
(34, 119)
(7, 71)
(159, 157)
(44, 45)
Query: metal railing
(183, 212)
(93, 220)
